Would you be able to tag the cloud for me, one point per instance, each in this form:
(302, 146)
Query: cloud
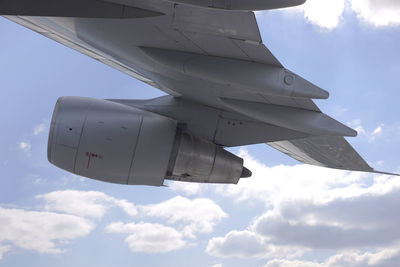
(354, 223)
(188, 189)
(328, 14)
(277, 184)
(370, 135)
(248, 244)
(323, 13)
(38, 129)
(84, 203)
(70, 214)
(243, 244)
(43, 232)
(4, 249)
(378, 130)
(382, 258)
(315, 210)
(378, 13)
(149, 237)
(364, 223)
(197, 215)
(24, 146)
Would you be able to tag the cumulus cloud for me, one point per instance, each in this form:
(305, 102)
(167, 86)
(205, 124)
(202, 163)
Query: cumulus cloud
(323, 13)
(378, 12)
(69, 214)
(355, 223)
(188, 189)
(310, 209)
(38, 129)
(197, 215)
(24, 146)
(277, 184)
(242, 244)
(43, 232)
(385, 257)
(370, 135)
(249, 244)
(149, 237)
(4, 249)
(84, 203)
(327, 14)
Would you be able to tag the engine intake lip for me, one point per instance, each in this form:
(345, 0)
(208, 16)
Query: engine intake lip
(51, 132)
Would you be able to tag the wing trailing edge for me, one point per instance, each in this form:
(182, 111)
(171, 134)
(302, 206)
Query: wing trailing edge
(325, 151)
(301, 120)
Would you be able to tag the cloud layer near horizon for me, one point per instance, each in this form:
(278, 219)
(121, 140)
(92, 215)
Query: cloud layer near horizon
(328, 14)
(349, 217)
(352, 217)
(69, 214)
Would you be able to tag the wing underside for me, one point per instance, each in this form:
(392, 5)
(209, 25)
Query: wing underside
(199, 54)
(325, 151)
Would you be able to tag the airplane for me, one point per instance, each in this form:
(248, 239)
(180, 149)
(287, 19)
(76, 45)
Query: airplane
(224, 89)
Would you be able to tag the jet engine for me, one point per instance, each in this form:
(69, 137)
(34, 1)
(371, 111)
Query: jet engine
(113, 142)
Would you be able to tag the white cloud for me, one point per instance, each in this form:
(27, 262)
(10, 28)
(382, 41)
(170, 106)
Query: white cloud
(378, 12)
(248, 244)
(24, 146)
(355, 223)
(43, 232)
(47, 230)
(84, 203)
(368, 222)
(38, 129)
(328, 14)
(370, 135)
(323, 13)
(4, 249)
(277, 184)
(242, 244)
(188, 189)
(197, 215)
(385, 257)
(378, 130)
(149, 237)
(313, 209)
(291, 263)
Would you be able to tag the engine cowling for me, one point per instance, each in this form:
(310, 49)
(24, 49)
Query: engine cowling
(243, 4)
(112, 142)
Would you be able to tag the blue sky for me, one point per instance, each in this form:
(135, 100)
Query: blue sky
(285, 215)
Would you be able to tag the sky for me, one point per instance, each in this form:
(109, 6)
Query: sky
(287, 214)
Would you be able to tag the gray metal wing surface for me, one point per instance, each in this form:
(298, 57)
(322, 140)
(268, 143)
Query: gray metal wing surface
(325, 151)
(211, 55)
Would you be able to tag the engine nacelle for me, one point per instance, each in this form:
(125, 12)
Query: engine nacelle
(112, 142)
(242, 4)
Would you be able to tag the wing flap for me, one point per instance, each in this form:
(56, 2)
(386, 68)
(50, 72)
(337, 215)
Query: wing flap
(325, 151)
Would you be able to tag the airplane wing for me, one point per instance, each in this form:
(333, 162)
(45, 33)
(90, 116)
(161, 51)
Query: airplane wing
(211, 54)
(165, 25)
(325, 151)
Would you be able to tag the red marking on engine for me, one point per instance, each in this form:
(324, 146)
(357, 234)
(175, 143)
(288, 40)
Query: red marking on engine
(91, 155)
